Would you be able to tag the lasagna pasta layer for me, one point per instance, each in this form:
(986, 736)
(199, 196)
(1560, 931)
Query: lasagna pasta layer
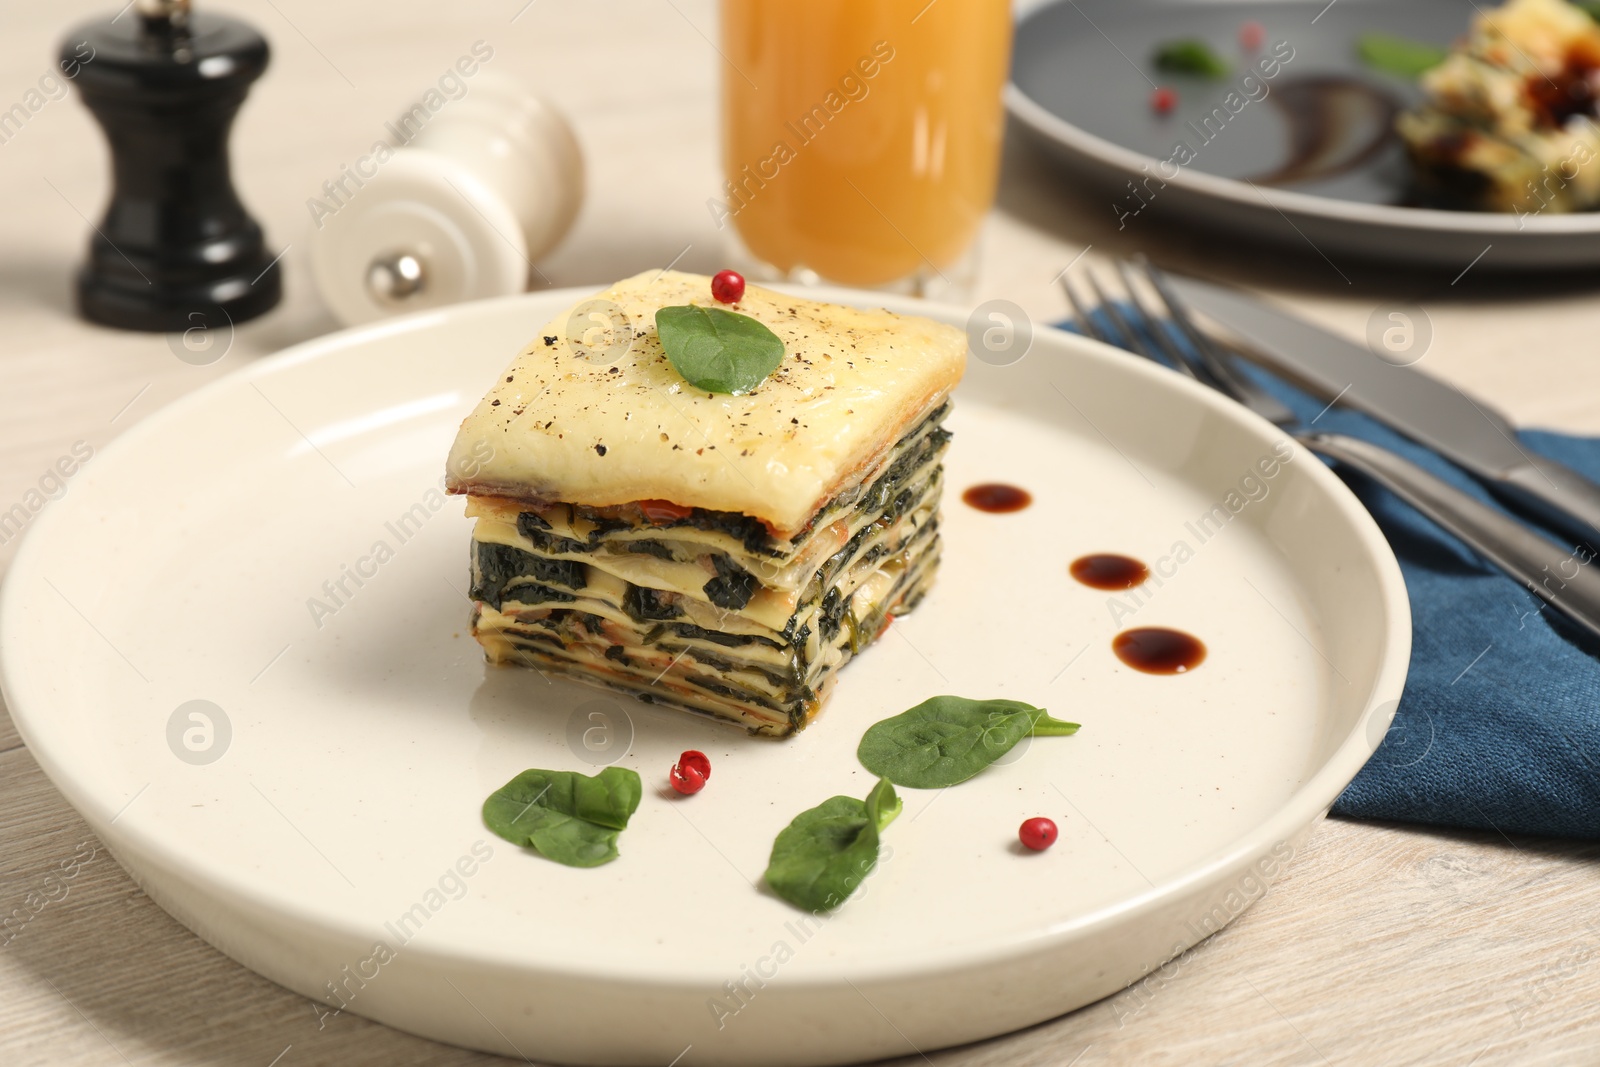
(700, 611)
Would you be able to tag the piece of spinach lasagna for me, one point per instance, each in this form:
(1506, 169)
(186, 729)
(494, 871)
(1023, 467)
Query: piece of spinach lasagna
(724, 554)
(1509, 118)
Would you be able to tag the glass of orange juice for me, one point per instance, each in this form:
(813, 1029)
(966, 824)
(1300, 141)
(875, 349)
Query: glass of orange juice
(861, 138)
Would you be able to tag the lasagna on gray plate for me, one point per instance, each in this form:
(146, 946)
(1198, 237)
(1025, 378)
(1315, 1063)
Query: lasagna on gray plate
(1508, 123)
(723, 554)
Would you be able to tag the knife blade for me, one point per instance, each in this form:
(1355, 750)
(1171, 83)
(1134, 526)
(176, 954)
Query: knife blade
(1409, 401)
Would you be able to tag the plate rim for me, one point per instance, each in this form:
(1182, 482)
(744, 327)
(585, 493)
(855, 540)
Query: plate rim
(1299, 811)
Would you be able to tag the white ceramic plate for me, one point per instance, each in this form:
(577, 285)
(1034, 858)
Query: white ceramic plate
(342, 810)
(1087, 102)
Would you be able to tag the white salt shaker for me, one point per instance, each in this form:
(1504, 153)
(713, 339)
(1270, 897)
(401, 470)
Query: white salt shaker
(460, 207)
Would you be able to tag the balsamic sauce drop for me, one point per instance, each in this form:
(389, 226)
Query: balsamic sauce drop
(997, 497)
(1107, 570)
(1336, 124)
(1155, 650)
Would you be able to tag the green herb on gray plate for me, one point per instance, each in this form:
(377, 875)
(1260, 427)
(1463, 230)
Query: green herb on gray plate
(945, 740)
(718, 351)
(1190, 56)
(820, 858)
(569, 817)
(1399, 56)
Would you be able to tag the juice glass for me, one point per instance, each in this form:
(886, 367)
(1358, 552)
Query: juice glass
(861, 138)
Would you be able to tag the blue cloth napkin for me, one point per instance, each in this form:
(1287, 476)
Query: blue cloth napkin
(1499, 725)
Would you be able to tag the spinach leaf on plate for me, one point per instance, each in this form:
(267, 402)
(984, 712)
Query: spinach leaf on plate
(945, 740)
(1399, 56)
(1190, 56)
(569, 817)
(820, 858)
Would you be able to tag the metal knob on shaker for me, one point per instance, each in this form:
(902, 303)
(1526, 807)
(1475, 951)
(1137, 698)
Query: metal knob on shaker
(176, 248)
(458, 211)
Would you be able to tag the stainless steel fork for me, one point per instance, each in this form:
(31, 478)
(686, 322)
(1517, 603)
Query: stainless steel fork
(1560, 578)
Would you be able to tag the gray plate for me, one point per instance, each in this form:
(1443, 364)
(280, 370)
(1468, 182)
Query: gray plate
(1305, 156)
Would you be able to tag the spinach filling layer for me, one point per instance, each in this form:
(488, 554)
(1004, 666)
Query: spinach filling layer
(548, 603)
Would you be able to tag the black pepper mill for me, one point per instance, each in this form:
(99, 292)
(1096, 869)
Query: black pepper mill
(176, 249)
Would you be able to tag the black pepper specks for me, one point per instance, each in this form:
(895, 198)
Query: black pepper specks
(600, 449)
(549, 342)
(494, 403)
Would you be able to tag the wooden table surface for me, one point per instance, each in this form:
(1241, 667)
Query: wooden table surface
(1382, 945)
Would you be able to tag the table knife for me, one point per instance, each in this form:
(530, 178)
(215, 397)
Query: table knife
(1411, 402)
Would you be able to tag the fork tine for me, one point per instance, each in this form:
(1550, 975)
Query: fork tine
(1177, 311)
(1114, 313)
(1219, 372)
(1084, 321)
(1156, 319)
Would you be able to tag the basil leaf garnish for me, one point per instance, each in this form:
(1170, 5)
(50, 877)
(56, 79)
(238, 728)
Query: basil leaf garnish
(718, 351)
(820, 858)
(1190, 56)
(945, 740)
(1399, 56)
(568, 817)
